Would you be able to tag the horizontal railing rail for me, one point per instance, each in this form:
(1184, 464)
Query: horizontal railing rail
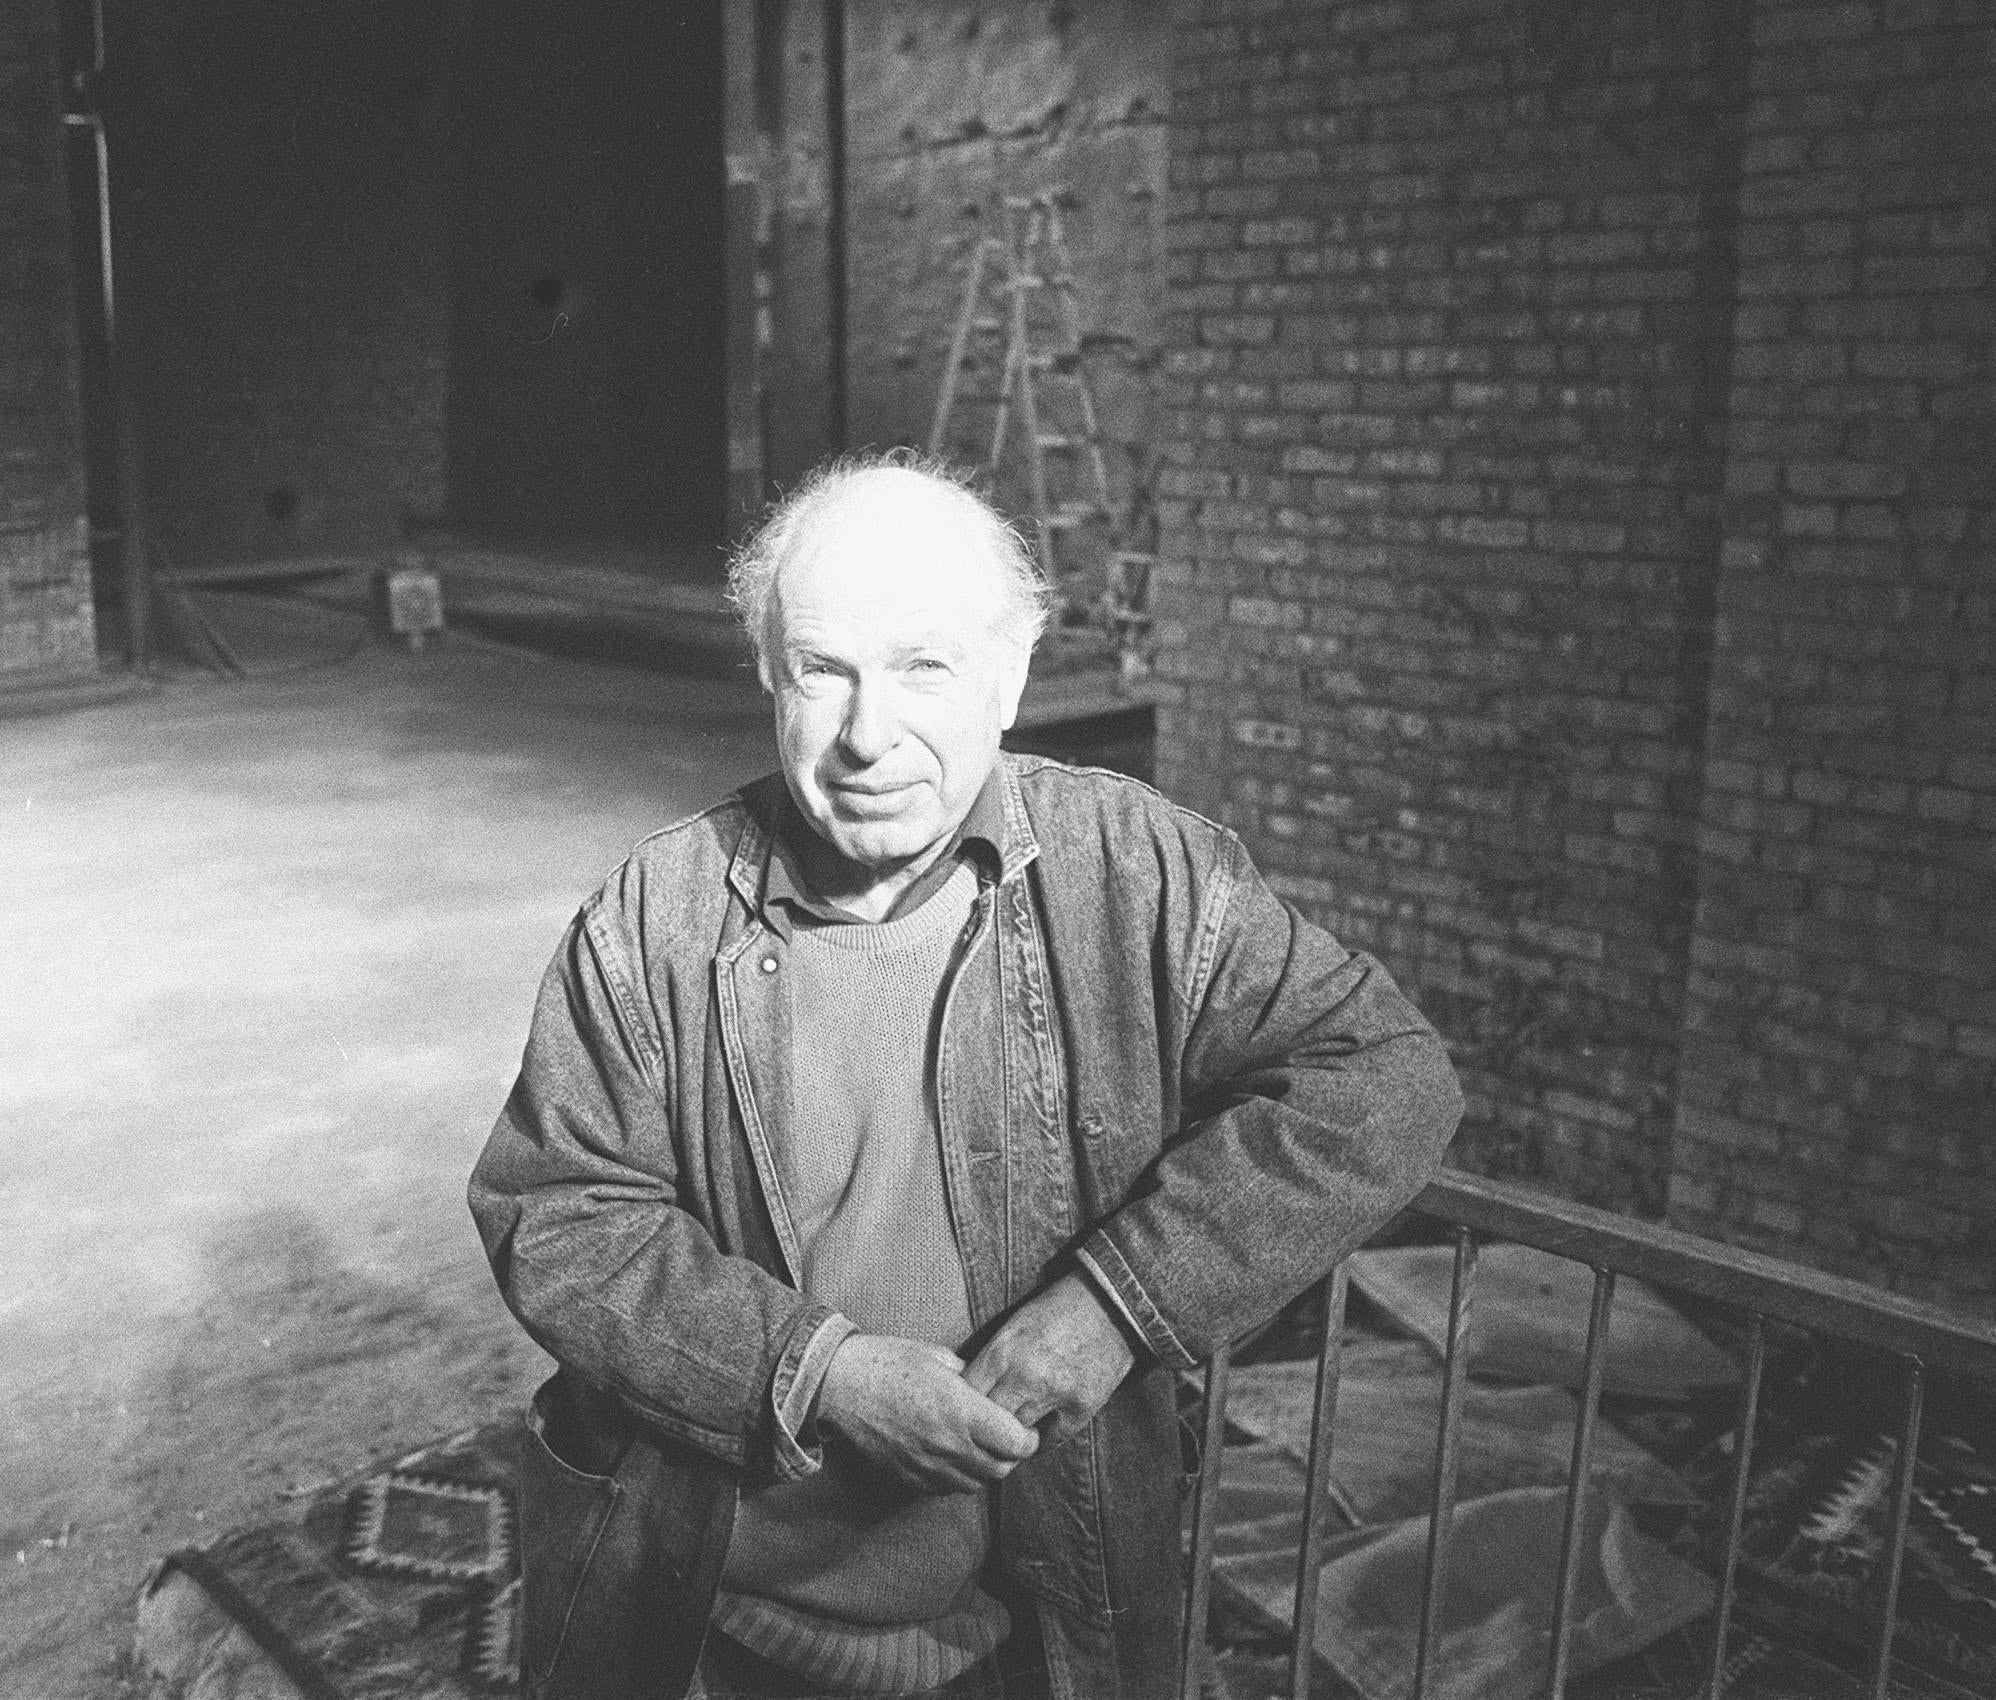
(1748, 1280)
(1761, 1289)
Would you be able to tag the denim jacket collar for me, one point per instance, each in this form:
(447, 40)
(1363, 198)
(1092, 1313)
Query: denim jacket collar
(766, 799)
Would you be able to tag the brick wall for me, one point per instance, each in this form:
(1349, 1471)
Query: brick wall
(1451, 294)
(1836, 1087)
(46, 627)
(1574, 494)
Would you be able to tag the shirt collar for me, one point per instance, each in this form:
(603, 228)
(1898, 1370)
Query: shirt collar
(787, 890)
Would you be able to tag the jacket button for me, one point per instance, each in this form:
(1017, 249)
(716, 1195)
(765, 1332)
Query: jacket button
(769, 965)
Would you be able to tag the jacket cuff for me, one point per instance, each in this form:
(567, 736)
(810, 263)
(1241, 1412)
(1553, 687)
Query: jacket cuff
(1111, 1301)
(1104, 1264)
(793, 1390)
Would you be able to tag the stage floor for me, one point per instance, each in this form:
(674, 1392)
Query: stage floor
(270, 948)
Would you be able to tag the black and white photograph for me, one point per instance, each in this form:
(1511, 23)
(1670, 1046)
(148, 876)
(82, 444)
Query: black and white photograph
(998, 850)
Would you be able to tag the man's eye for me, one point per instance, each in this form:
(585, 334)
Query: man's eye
(929, 664)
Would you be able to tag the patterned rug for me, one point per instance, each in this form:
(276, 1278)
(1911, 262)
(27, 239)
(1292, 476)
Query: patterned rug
(1806, 1601)
(1807, 1607)
(401, 1585)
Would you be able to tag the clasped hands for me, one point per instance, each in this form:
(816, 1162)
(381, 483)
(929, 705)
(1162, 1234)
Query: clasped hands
(922, 1416)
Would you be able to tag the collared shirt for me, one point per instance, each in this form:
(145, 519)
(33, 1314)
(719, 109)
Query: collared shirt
(788, 892)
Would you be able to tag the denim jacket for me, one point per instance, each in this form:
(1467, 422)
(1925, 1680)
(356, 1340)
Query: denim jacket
(1144, 1058)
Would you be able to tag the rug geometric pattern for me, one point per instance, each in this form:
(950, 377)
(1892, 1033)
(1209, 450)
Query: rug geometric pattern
(400, 1585)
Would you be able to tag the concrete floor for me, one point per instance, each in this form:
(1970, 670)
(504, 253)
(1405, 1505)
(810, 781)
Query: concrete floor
(269, 950)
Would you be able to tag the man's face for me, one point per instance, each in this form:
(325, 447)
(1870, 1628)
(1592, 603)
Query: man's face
(890, 678)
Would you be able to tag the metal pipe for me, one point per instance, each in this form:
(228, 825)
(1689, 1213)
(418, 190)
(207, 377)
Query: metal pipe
(95, 119)
(1323, 1417)
(133, 543)
(1577, 1477)
(1715, 1682)
(106, 280)
(105, 268)
(838, 288)
(1902, 1508)
(1448, 1455)
(1205, 1520)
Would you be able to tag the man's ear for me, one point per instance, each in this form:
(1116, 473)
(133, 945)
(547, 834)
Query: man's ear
(1014, 662)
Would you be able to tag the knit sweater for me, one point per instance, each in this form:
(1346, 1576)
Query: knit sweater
(839, 1577)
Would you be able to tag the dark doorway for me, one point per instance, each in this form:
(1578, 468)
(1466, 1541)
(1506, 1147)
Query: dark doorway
(587, 386)
(397, 266)
(90, 250)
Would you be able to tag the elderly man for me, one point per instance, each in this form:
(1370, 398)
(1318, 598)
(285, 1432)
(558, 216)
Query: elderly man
(887, 1137)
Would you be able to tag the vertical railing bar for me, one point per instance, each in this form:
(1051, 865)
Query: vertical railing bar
(1576, 1476)
(1902, 1508)
(1323, 1418)
(1205, 1520)
(1722, 1616)
(1448, 1455)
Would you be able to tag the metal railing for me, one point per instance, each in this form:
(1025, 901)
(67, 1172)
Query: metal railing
(1920, 1337)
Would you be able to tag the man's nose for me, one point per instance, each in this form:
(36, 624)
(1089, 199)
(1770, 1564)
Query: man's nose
(872, 727)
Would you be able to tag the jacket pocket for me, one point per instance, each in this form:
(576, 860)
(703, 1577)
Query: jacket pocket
(1050, 1527)
(563, 1510)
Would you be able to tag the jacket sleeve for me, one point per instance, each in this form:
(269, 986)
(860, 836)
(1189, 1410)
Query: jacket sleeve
(1317, 1102)
(579, 1199)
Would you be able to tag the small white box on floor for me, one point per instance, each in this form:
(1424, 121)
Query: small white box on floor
(412, 599)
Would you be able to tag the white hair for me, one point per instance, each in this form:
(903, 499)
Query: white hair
(1027, 602)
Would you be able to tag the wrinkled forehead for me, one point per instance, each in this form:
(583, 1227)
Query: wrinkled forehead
(893, 545)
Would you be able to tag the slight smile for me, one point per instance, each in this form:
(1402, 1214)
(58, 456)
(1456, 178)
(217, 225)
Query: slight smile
(862, 796)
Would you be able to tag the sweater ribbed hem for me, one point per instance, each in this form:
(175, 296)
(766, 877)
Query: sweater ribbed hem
(864, 1658)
